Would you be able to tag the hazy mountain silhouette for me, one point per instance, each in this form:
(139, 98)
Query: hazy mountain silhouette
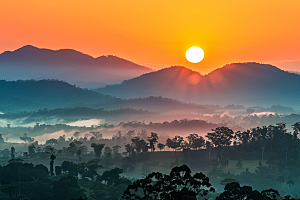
(165, 82)
(156, 104)
(18, 96)
(30, 62)
(237, 83)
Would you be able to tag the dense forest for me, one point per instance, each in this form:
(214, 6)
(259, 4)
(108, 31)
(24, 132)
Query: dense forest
(91, 167)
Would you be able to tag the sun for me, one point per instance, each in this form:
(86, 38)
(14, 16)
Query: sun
(194, 54)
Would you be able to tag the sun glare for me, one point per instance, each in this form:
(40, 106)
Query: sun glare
(194, 54)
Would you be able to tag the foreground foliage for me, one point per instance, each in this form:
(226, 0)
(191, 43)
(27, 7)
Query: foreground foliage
(179, 184)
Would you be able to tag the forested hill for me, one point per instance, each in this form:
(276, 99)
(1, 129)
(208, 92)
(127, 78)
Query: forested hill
(237, 83)
(29, 95)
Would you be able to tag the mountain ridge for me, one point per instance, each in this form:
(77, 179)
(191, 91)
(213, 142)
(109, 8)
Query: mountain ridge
(30, 62)
(238, 83)
(30, 95)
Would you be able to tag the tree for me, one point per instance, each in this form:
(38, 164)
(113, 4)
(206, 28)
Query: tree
(199, 142)
(112, 177)
(169, 143)
(31, 150)
(208, 146)
(235, 192)
(244, 137)
(221, 136)
(76, 135)
(178, 185)
(52, 142)
(153, 140)
(12, 152)
(160, 146)
(195, 141)
(52, 152)
(115, 150)
(174, 143)
(1, 139)
(139, 145)
(62, 139)
(296, 128)
(26, 139)
(92, 167)
(67, 188)
(97, 135)
(69, 168)
(97, 148)
(129, 135)
(129, 149)
(107, 152)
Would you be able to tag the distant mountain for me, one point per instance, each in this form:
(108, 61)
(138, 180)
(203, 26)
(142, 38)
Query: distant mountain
(16, 96)
(30, 62)
(165, 82)
(237, 83)
(156, 104)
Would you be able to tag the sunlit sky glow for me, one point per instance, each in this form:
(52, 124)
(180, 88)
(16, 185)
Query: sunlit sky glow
(157, 33)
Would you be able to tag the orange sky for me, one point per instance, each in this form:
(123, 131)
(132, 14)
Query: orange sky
(157, 33)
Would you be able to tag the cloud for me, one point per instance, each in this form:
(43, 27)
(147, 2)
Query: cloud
(87, 123)
(47, 136)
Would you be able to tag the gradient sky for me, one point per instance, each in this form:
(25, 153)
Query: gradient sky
(157, 33)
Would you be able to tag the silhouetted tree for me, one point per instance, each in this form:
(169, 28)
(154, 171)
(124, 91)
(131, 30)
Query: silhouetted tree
(221, 136)
(31, 150)
(235, 192)
(296, 128)
(139, 145)
(178, 185)
(97, 148)
(52, 142)
(112, 176)
(26, 139)
(160, 146)
(153, 140)
(115, 150)
(12, 152)
(52, 152)
(195, 141)
(129, 149)
(1, 139)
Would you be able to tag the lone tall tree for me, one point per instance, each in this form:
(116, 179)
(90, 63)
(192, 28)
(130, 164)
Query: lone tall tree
(52, 152)
(12, 152)
(153, 140)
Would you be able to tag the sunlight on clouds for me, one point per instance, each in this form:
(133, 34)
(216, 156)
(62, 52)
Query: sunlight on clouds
(87, 123)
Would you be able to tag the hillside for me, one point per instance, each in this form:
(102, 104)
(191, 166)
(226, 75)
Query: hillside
(238, 83)
(29, 95)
